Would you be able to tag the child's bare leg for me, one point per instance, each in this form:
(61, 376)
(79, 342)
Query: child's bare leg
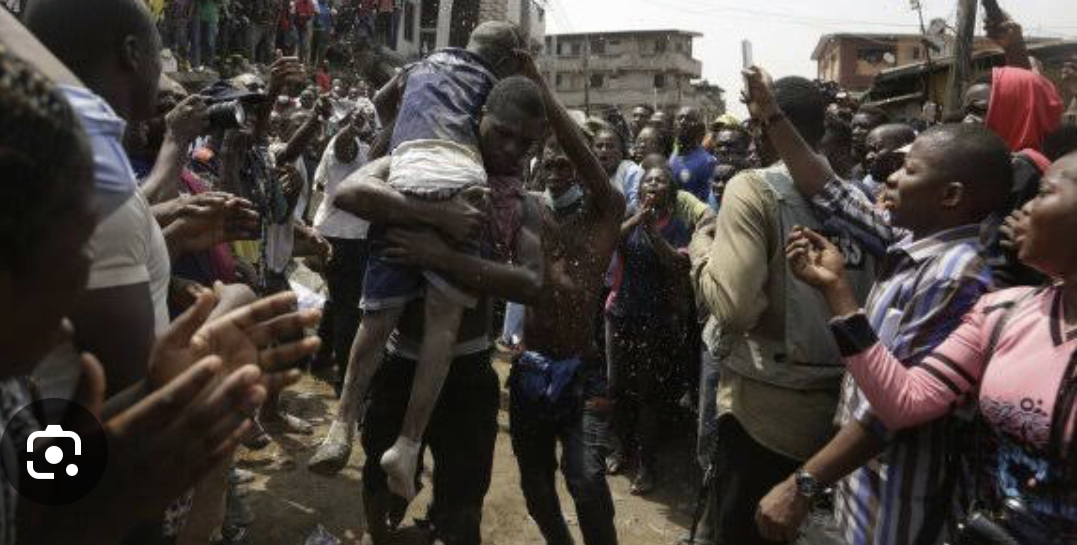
(365, 359)
(435, 356)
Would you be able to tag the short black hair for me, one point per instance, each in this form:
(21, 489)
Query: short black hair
(804, 103)
(82, 33)
(875, 112)
(975, 155)
(1060, 143)
(496, 40)
(897, 133)
(610, 130)
(656, 160)
(516, 92)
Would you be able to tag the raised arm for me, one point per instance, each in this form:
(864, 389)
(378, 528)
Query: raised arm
(306, 133)
(811, 171)
(285, 71)
(603, 195)
(813, 177)
(1008, 35)
(184, 123)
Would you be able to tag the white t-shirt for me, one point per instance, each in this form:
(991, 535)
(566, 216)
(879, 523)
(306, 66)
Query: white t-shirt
(280, 238)
(329, 220)
(129, 248)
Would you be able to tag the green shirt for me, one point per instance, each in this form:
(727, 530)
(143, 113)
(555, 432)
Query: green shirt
(209, 11)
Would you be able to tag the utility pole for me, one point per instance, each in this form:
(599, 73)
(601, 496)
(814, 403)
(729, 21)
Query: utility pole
(928, 68)
(961, 70)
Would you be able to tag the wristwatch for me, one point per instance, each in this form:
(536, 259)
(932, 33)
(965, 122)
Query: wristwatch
(807, 485)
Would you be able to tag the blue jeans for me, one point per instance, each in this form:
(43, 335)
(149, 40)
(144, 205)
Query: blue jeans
(582, 436)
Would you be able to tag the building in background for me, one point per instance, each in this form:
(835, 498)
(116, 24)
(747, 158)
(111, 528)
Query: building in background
(853, 60)
(594, 71)
(900, 91)
(426, 25)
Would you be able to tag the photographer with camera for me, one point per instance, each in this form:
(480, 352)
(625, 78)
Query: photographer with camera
(347, 234)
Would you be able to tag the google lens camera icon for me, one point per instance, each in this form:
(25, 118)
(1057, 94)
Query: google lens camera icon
(54, 454)
(46, 469)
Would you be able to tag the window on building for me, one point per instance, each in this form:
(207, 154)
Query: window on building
(873, 55)
(659, 81)
(576, 50)
(598, 47)
(916, 53)
(409, 21)
(559, 81)
(428, 15)
(597, 81)
(660, 45)
(679, 46)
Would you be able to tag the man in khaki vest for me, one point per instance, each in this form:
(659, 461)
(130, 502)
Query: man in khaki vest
(781, 371)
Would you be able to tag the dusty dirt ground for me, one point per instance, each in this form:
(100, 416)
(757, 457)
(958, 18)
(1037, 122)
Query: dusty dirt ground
(290, 502)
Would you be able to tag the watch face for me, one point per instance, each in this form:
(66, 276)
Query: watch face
(806, 484)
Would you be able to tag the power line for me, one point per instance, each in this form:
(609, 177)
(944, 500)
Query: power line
(770, 16)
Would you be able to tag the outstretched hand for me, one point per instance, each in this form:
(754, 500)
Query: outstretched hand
(813, 259)
(758, 93)
(167, 442)
(1004, 31)
(267, 333)
(205, 221)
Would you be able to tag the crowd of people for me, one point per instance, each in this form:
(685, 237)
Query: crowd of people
(871, 319)
(205, 34)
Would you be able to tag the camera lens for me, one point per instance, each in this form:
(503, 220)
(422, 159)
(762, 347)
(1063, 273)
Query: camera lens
(226, 115)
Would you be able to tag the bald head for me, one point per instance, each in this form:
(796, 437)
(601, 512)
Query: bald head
(892, 136)
(495, 42)
(111, 45)
(83, 33)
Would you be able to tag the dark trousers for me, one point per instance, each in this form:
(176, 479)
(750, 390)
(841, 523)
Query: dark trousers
(341, 315)
(646, 378)
(461, 437)
(582, 435)
(744, 471)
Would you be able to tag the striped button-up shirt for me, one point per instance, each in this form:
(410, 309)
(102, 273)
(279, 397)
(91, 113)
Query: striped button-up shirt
(906, 495)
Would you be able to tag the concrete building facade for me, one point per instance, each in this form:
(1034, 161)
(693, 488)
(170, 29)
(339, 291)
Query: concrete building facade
(592, 71)
(426, 25)
(853, 60)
